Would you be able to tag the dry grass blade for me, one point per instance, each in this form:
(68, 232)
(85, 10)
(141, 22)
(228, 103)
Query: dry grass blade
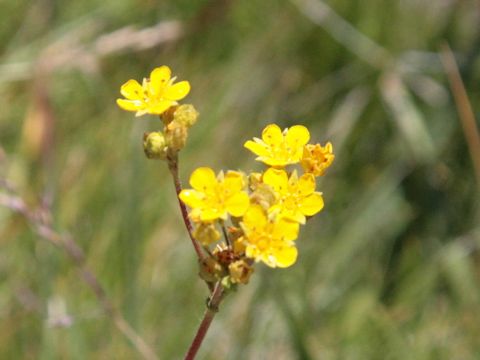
(69, 51)
(464, 107)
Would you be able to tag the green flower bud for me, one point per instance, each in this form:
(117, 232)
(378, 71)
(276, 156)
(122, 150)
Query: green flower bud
(206, 233)
(176, 135)
(155, 145)
(186, 115)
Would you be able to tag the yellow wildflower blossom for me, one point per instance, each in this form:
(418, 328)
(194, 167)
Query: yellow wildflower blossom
(269, 241)
(297, 197)
(214, 197)
(317, 159)
(156, 94)
(277, 148)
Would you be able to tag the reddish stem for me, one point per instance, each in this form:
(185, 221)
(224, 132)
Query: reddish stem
(173, 166)
(212, 309)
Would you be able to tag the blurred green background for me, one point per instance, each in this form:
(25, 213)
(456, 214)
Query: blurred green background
(389, 269)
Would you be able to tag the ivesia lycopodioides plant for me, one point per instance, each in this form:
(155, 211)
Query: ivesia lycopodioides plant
(236, 219)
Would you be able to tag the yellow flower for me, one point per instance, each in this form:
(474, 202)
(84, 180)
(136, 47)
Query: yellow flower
(277, 148)
(297, 198)
(155, 95)
(317, 159)
(215, 197)
(269, 241)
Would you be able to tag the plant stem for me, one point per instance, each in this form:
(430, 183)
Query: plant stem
(225, 234)
(173, 167)
(212, 309)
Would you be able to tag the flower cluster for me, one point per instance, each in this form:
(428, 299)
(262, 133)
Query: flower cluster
(264, 210)
(238, 218)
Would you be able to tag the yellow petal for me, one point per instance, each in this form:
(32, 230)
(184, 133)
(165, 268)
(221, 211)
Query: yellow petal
(277, 179)
(251, 251)
(273, 161)
(297, 136)
(306, 184)
(159, 77)
(237, 204)
(312, 204)
(285, 256)
(160, 107)
(203, 179)
(256, 148)
(272, 135)
(132, 90)
(210, 214)
(234, 182)
(191, 198)
(254, 218)
(294, 215)
(287, 230)
(130, 105)
(177, 91)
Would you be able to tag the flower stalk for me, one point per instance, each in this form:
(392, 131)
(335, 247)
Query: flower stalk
(173, 167)
(212, 308)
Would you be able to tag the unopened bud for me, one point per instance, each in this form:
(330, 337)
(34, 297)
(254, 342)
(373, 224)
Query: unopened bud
(240, 271)
(206, 233)
(254, 179)
(176, 135)
(210, 270)
(186, 114)
(155, 145)
(263, 195)
(317, 159)
(239, 245)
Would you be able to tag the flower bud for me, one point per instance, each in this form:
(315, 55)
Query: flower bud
(210, 270)
(186, 114)
(176, 135)
(317, 159)
(206, 233)
(263, 195)
(154, 145)
(254, 179)
(239, 246)
(240, 271)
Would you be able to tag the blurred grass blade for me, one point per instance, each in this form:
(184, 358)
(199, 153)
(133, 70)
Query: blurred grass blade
(346, 115)
(408, 118)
